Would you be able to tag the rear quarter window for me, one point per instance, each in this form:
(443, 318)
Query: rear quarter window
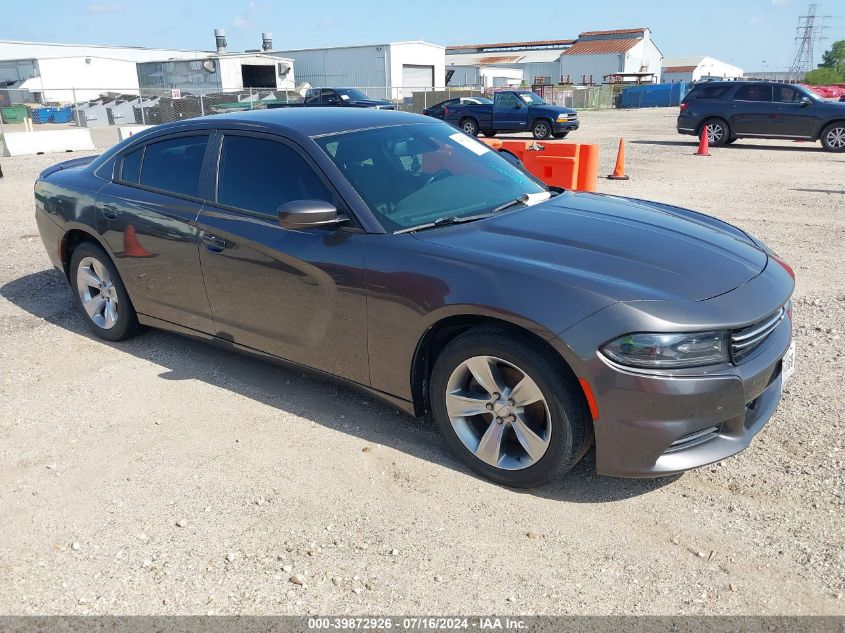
(708, 92)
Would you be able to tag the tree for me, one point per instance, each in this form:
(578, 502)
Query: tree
(824, 77)
(835, 57)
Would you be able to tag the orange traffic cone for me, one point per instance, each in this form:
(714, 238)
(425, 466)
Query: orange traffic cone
(619, 170)
(704, 143)
(131, 246)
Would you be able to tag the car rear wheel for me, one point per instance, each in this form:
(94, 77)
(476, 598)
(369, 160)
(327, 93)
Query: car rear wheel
(541, 130)
(100, 295)
(507, 408)
(718, 132)
(470, 126)
(833, 137)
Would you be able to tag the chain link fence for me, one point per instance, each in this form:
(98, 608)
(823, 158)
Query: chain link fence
(103, 111)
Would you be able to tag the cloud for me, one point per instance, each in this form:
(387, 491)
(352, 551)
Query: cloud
(104, 8)
(244, 18)
(755, 20)
(779, 3)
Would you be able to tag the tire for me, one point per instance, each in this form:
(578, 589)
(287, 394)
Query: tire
(112, 318)
(718, 132)
(495, 443)
(541, 130)
(469, 126)
(560, 134)
(731, 140)
(489, 133)
(833, 137)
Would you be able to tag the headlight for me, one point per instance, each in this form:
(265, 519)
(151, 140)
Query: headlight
(668, 350)
(562, 117)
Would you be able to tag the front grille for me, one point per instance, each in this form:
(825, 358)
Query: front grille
(694, 439)
(746, 340)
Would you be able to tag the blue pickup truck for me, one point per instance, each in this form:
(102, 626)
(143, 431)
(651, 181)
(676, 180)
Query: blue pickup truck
(514, 111)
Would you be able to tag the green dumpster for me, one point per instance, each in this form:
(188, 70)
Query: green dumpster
(14, 114)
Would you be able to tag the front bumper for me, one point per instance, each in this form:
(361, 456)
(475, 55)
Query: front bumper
(655, 423)
(567, 126)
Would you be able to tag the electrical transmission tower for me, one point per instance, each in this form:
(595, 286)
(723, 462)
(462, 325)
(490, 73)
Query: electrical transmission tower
(808, 35)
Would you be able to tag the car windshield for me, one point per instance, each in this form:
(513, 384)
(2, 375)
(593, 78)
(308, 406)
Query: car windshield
(351, 93)
(531, 99)
(414, 174)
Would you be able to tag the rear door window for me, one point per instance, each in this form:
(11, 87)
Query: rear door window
(174, 165)
(754, 92)
(258, 175)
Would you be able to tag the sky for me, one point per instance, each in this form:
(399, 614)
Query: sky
(753, 34)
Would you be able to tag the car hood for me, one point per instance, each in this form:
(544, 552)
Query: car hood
(625, 249)
(553, 109)
(370, 102)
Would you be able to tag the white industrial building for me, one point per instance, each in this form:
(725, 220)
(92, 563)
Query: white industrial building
(212, 72)
(532, 59)
(623, 55)
(383, 71)
(699, 68)
(52, 72)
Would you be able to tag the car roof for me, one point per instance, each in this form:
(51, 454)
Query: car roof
(299, 121)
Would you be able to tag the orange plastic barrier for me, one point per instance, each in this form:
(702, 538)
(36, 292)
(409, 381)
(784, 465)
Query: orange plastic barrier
(559, 164)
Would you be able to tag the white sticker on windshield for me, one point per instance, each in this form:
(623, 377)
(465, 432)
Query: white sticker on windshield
(471, 144)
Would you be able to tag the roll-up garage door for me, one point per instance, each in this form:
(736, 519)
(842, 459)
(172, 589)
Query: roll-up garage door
(417, 76)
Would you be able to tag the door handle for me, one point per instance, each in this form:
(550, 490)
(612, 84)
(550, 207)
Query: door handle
(110, 212)
(213, 244)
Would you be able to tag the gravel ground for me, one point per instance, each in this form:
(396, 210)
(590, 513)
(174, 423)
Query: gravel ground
(162, 476)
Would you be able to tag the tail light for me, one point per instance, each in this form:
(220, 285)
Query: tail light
(446, 111)
(684, 107)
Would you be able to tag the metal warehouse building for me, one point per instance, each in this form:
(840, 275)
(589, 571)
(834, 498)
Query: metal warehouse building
(689, 69)
(595, 57)
(383, 71)
(47, 72)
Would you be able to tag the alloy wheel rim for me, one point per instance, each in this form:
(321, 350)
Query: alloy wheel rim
(469, 128)
(541, 129)
(836, 137)
(498, 412)
(97, 292)
(715, 132)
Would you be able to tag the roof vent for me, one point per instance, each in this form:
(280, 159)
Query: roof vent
(266, 41)
(220, 39)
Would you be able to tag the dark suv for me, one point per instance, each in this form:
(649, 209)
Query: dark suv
(746, 109)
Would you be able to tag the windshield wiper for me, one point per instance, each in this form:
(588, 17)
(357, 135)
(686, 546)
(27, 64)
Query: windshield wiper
(526, 199)
(445, 221)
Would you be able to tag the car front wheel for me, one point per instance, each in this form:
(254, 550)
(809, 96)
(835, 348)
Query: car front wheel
(560, 134)
(833, 137)
(100, 295)
(508, 408)
(541, 130)
(718, 133)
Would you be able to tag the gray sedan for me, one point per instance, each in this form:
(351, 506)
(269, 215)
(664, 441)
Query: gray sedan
(398, 255)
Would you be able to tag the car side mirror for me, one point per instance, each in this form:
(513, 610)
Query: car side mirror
(805, 101)
(304, 214)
